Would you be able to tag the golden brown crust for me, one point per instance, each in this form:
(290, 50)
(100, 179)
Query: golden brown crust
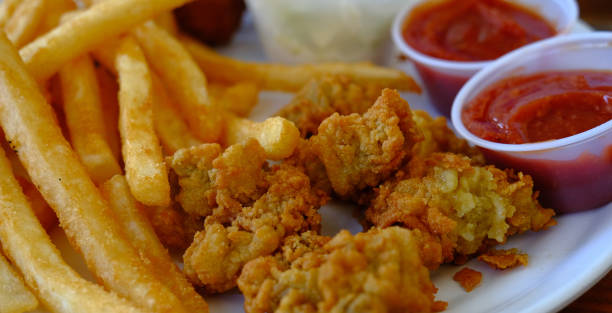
(504, 259)
(377, 271)
(465, 208)
(468, 278)
(361, 151)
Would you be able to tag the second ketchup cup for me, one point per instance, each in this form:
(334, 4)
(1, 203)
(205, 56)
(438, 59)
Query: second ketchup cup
(444, 78)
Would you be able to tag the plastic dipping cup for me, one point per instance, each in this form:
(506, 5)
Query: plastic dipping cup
(573, 173)
(444, 78)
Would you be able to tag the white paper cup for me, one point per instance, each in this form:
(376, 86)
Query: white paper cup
(572, 173)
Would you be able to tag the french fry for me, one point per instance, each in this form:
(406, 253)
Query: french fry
(28, 245)
(276, 135)
(132, 220)
(172, 131)
(144, 164)
(185, 81)
(238, 99)
(54, 168)
(226, 70)
(24, 21)
(167, 21)
(7, 7)
(46, 55)
(54, 10)
(14, 295)
(110, 109)
(84, 118)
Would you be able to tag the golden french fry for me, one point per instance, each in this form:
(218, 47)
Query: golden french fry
(54, 10)
(132, 220)
(7, 7)
(172, 131)
(85, 121)
(44, 270)
(185, 81)
(54, 168)
(238, 99)
(167, 21)
(24, 21)
(144, 164)
(110, 109)
(14, 295)
(276, 135)
(226, 70)
(46, 55)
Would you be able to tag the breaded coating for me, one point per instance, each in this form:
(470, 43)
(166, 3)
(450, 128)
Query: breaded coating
(361, 151)
(437, 137)
(257, 207)
(174, 228)
(504, 259)
(305, 158)
(465, 208)
(191, 166)
(321, 97)
(378, 271)
(468, 278)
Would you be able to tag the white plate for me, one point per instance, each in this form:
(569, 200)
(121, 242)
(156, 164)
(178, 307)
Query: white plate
(564, 261)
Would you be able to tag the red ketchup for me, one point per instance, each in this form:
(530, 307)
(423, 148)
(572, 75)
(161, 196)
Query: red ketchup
(468, 31)
(548, 106)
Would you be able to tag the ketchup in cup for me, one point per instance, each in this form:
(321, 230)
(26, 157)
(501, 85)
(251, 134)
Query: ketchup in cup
(450, 40)
(546, 110)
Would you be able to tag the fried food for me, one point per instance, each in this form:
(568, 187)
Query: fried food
(6, 10)
(321, 97)
(172, 130)
(277, 136)
(27, 244)
(110, 109)
(504, 259)
(131, 218)
(362, 151)
(239, 98)
(468, 278)
(226, 70)
(256, 207)
(185, 81)
(213, 22)
(191, 166)
(84, 118)
(145, 169)
(30, 125)
(305, 158)
(15, 297)
(48, 53)
(377, 271)
(458, 208)
(23, 23)
(437, 137)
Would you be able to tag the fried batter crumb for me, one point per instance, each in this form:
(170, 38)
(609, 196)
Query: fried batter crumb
(504, 259)
(468, 278)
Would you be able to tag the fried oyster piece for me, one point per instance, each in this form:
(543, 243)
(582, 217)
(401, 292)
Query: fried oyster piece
(321, 97)
(361, 151)
(377, 271)
(456, 208)
(256, 206)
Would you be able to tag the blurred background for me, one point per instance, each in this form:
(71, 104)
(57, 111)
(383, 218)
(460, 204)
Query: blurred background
(598, 13)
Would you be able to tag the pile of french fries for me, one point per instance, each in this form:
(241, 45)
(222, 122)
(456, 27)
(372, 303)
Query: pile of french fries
(93, 96)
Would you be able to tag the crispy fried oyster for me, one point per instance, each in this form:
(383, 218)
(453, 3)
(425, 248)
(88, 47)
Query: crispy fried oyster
(321, 97)
(458, 209)
(377, 271)
(255, 208)
(361, 151)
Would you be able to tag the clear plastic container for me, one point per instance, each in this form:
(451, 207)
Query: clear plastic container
(313, 31)
(572, 173)
(444, 78)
